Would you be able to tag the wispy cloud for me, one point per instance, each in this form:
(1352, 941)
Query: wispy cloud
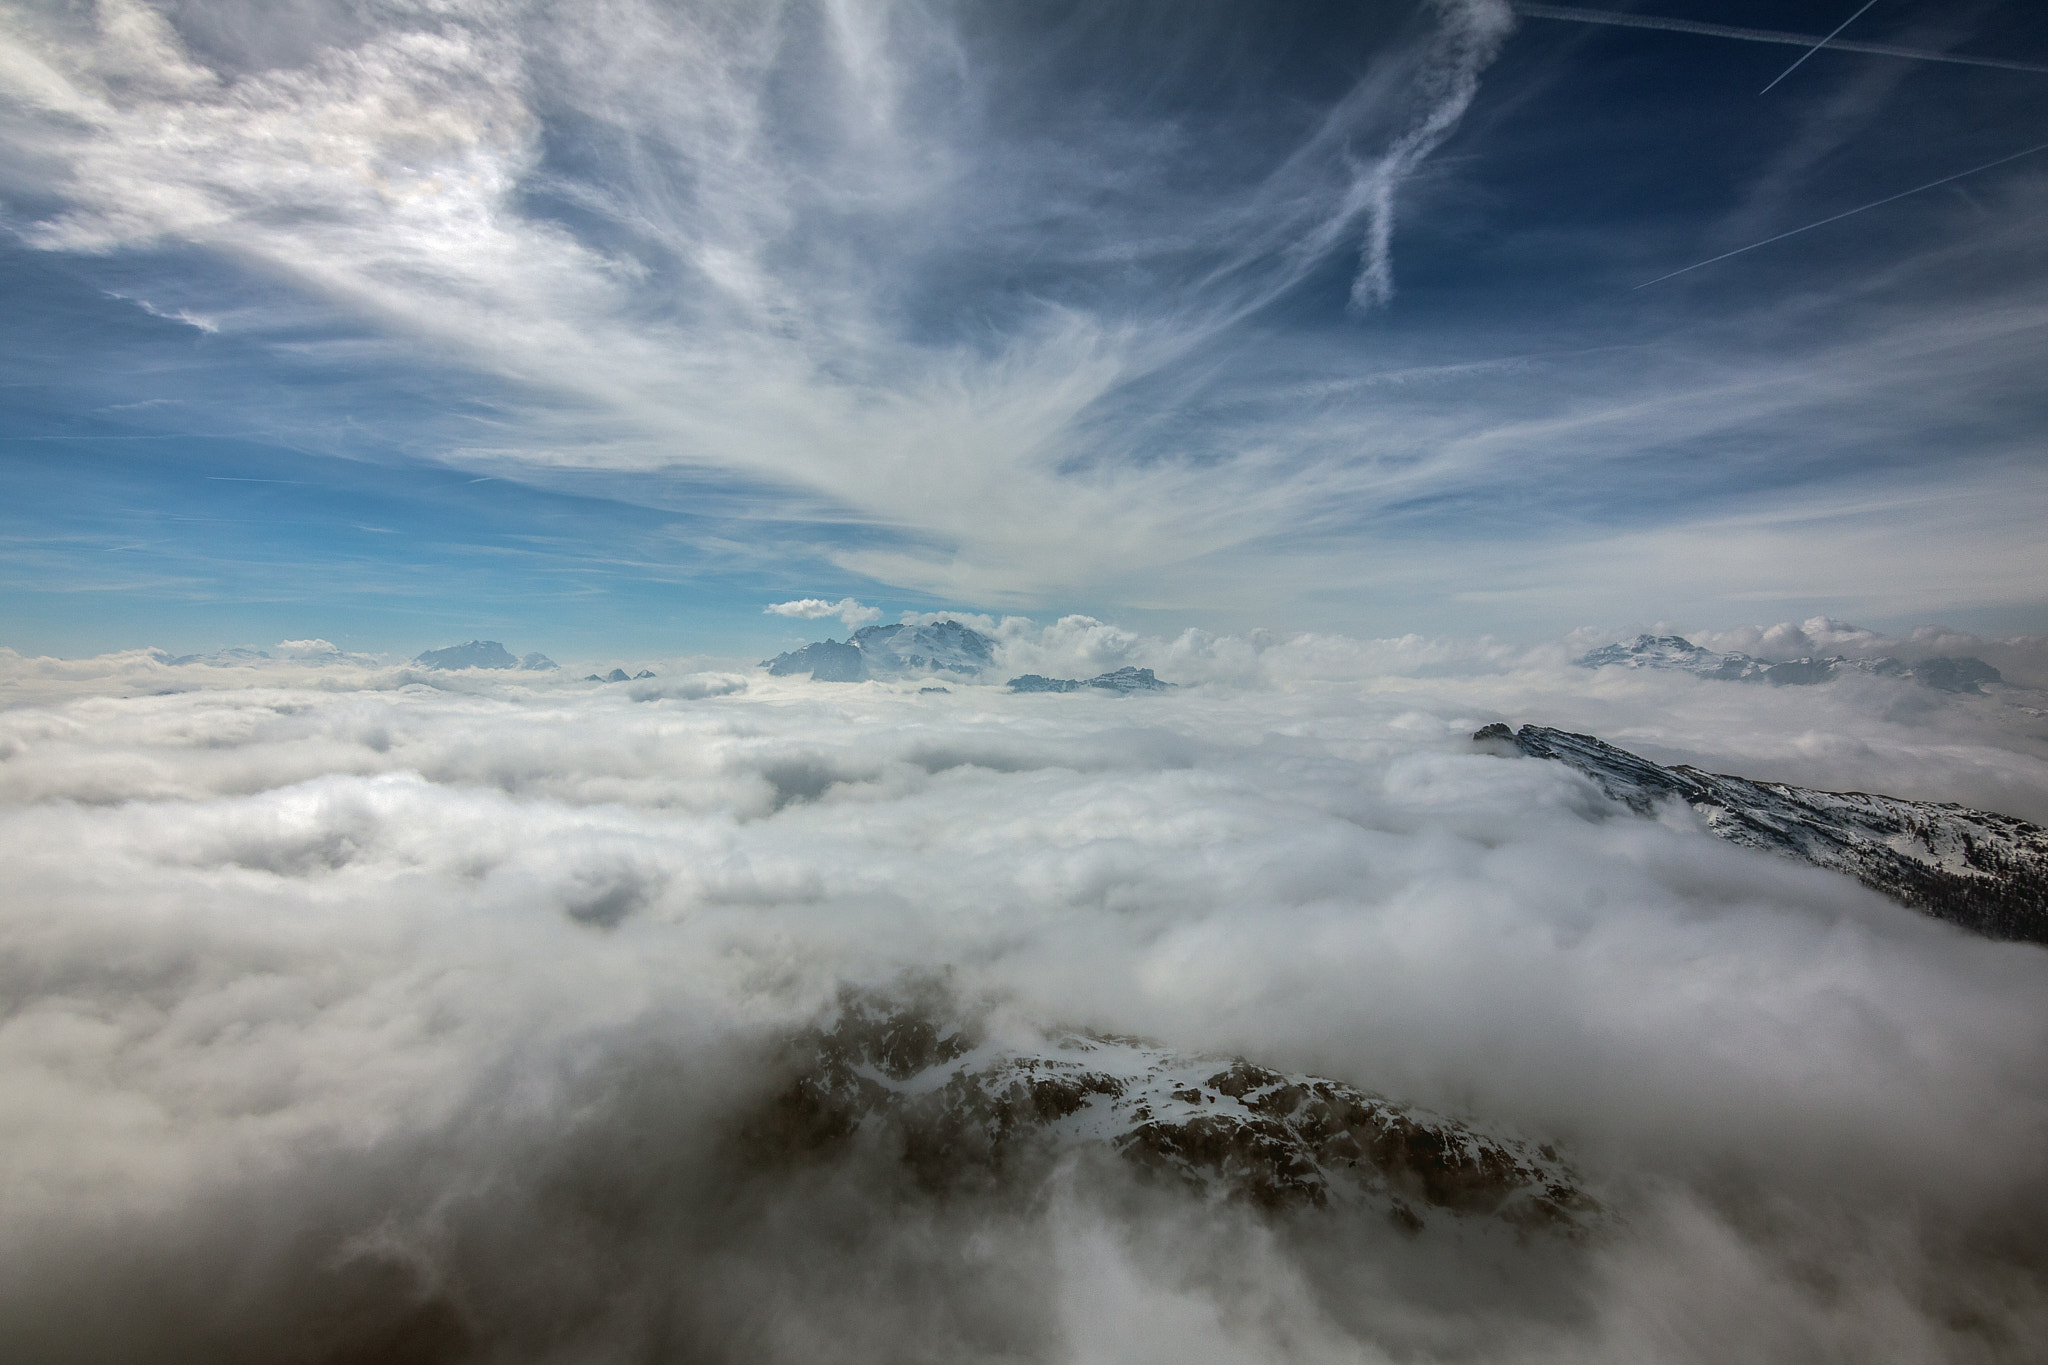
(727, 232)
(922, 297)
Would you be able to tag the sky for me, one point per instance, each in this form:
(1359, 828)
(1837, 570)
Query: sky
(1356, 368)
(596, 328)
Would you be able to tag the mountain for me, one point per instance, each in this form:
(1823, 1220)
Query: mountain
(824, 661)
(942, 647)
(1124, 680)
(926, 1081)
(1985, 872)
(482, 654)
(287, 653)
(1675, 652)
(890, 651)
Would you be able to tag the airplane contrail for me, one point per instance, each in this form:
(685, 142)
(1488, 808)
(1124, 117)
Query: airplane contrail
(1847, 213)
(1571, 14)
(1817, 46)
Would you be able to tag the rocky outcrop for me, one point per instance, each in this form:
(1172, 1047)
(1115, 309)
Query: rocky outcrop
(1983, 871)
(954, 1106)
(823, 661)
(1123, 681)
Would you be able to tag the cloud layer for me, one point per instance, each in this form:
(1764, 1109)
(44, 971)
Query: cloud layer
(414, 1014)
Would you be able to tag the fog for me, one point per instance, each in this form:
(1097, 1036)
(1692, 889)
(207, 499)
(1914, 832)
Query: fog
(363, 1013)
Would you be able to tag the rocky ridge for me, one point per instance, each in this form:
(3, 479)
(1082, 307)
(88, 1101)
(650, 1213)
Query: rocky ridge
(955, 1105)
(1983, 871)
(1123, 680)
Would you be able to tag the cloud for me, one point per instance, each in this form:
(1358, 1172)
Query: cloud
(429, 1015)
(711, 239)
(847, 609)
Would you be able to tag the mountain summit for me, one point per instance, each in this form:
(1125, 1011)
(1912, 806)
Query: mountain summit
(482, 654)
(890, 651)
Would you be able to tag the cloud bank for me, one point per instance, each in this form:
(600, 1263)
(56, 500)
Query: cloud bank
(398, 1017)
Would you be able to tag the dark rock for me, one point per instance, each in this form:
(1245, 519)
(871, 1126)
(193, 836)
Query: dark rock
(824, 661)
(1956, 675)
(1123, 680)
(922, 1078)
(1038, 682)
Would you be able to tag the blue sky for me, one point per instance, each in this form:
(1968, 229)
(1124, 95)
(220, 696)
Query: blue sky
(594, 328)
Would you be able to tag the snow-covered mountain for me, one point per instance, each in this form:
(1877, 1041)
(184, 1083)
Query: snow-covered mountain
(1123, 680)
(1675, 652)
(956, 1105)
(1983, 871)
(482, 654)
(890, 651)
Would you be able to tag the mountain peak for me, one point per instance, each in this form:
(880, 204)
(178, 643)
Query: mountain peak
(1675, 653)
(890, 651)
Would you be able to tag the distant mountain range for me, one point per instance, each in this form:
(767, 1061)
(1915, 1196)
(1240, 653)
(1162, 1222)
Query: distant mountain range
(482, 654)
(919, 1078)
(1676, 653)
(302, 653)
(1123, 680)
(890, 651)
(1985, 872)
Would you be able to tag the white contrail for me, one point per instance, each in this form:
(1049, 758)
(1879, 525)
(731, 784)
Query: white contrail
(1817, 46)
(1836, 218)
(1760, 35)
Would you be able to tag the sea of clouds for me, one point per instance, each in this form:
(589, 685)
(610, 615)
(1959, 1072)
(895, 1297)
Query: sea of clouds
(356, 1012)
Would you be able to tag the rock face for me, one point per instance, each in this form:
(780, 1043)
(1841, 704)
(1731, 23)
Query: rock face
(1675, 652)
(1123, 680)
(1985, 872)
(824, 661)
(475, 654)
(956, 1106)
(890, 651)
